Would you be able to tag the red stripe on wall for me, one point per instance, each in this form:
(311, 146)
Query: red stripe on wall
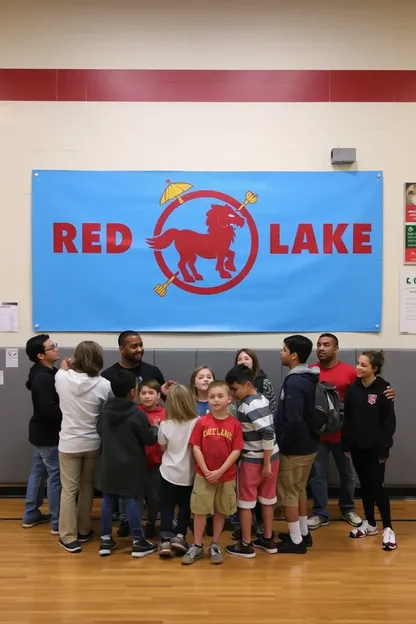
(138, 85)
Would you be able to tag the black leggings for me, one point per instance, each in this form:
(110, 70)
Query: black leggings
(170, 496)
(371, 475)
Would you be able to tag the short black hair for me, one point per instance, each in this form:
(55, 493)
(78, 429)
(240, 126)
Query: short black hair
(122, 382)
(239, 374)
(329, 335)
(35, 346)
(301, 345)
(126, 334)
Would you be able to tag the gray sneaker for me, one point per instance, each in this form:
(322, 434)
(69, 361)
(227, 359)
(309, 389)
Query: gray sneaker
(194, 553)
(179, 545)
(352, 518)
(317, 521)
(215, 554)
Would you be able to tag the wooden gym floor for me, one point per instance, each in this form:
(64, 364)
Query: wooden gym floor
(340, 581)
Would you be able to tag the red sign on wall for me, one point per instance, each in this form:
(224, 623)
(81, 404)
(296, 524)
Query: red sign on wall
(410, 223)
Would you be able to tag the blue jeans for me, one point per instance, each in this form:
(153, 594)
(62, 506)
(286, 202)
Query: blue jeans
(45, 466)
(132, 510)
(319, 483)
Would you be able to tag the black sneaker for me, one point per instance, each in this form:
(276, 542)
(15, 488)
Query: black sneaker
(268, 545)
(241, 550)
(106, 547)
(142, 547)
(287, 547)
(150, 530)
(72, 547)
(116, 516)
(40, 519)
(124, 529)
(236, 534)
(307, 539)
(210, 526)
(83, 539)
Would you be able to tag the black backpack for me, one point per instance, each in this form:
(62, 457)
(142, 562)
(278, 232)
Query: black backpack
(327, 415)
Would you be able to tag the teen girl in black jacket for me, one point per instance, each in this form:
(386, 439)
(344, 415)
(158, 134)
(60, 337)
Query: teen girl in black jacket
(367, 436)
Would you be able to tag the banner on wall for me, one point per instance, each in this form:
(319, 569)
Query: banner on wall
(410, 223)
(207, 251)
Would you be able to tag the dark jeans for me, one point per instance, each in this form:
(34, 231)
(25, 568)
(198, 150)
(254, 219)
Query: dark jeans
(170, 496)
(319, 484)
(133, 513)
(371, 475)
(153, 494)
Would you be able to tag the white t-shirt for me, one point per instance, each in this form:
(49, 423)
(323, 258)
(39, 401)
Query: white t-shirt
(178, 460)
(80, 400)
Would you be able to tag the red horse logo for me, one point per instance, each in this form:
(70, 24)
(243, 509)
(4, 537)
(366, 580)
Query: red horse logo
(221, 222)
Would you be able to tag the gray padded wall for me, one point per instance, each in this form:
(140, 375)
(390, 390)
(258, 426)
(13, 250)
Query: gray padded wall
(15, 404)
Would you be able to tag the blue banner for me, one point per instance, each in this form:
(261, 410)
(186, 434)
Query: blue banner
(207, 251)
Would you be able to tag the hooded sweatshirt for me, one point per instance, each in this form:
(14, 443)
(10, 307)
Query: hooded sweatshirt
(154, 452)
(264, 386)
(369, 418)
(294, 433)
(124, 430)
(45, 424)
(81, 398)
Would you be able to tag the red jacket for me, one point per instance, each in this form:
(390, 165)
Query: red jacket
(154, 452)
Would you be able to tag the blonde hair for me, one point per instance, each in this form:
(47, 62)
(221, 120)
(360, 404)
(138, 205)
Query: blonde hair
(180, 404)
(88, 358)
(193, 377)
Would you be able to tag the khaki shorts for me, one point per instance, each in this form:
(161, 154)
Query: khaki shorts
(293, 478)
(208, 498)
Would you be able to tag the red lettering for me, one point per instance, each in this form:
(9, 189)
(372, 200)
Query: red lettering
(333, 238)
(305, 239)
(91, 238)
(111, 234)
(361, 238)
(63, 236)
(275, 246)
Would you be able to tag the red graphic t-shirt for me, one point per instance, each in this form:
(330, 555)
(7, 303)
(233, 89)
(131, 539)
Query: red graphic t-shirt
(341, 376)
(217, 438)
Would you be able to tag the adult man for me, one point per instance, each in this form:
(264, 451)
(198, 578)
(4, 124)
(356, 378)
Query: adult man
(297, 442)
(340, 375)
(44, 427)
(131, 350)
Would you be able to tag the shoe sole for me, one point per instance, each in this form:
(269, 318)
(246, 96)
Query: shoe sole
(178, 549)
(318, 526)
(190, 562)
(70, 550)
(106, 552)
(362, 536)
(85, 540)
(139, 555)
(216, 561)
(165, 554)
(303, 552)
(269, 551)
(53, 532)
(387, 547)
(243, 555)
(355, 525)
(26, 525)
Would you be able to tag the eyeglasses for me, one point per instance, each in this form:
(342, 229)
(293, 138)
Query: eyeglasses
(53, 347)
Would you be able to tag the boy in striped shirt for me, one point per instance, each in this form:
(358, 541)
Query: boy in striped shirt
(259, 465)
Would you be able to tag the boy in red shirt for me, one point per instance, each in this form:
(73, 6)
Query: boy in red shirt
(217, 441)
(149, 395)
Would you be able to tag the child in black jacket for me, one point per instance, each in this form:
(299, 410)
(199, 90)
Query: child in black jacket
(124, 431)
(367, 436)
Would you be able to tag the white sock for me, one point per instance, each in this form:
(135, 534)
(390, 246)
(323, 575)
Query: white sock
(303, 521)
(295, 533)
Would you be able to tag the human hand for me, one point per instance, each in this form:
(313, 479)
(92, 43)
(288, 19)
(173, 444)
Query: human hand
(165, 388)
(382, 460)
(347, 455)
(66, 363)
(267, 471)
(213, 476)
(390, 393)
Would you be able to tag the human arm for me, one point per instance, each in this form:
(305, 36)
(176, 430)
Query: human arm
(390, 393)
(215, 475)
(346, 430)
(146, 433)
(388, 427)
(269, 393)
(46, 397)
(263, 422)
(291, 416)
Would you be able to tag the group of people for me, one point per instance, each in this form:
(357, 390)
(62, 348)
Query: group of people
(215, 450)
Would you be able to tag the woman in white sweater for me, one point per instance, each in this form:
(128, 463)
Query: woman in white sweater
(81, 392)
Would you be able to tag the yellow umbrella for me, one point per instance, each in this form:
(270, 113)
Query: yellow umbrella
(174, 190)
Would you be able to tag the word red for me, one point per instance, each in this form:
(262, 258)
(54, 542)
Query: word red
(332, 239)
(117, 238)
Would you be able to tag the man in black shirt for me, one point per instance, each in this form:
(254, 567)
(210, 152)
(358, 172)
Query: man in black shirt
(131, 350)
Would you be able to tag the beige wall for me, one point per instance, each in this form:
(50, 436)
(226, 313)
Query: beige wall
(292, 34)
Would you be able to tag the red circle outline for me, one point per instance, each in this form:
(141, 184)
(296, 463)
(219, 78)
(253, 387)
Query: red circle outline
(211, 290)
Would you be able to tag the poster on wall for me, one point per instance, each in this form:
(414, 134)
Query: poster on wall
(407, 300)
(186, 251)
(410, 223)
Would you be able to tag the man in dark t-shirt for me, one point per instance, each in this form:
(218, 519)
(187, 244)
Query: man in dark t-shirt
(131, 351)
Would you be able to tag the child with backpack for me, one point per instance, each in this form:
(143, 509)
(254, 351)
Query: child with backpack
(367, 436)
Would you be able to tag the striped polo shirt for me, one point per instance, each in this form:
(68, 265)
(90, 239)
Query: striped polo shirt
(258, 429)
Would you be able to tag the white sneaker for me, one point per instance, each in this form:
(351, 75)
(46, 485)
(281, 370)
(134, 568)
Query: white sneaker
(352, 518)
(314, 522)
(389, 539)
(365, 530)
